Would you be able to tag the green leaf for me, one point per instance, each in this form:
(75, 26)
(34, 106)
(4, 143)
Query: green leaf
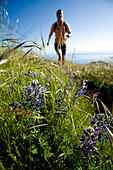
(33, 146)
(34, 151)
(47, 152)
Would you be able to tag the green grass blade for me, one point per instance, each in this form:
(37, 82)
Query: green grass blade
(26, 53)
(1, 166)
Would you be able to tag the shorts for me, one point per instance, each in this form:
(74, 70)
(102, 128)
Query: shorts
(62, 47)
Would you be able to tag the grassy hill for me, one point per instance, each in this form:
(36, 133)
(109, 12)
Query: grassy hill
(54, 117)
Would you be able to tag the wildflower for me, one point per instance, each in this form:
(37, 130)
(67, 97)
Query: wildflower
(14, 105)
(65, 109)
(108, 125)
(90, 150)
(31, 96)
(51, 78)
(105, 135)
(34, 75)
(56, 108)
(11, 91)
(35, 83)
(10, 87)
(91, 135)
(95, 97)
(69, 79)
(45, 78)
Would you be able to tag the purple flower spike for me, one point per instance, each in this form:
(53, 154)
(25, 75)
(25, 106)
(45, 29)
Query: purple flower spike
(90, 150)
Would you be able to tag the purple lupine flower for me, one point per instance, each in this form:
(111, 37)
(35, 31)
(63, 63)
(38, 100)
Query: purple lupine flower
(35, 83)
(14, 105)
(45, 78)
(92, 135)
(9, 86)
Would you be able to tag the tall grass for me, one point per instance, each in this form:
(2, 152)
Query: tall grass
(47, 118)
(43, 112)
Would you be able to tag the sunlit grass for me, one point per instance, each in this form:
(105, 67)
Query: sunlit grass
(44, 109)
(52, 116)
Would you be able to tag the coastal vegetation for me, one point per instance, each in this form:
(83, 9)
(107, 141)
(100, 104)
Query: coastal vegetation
(53, 116)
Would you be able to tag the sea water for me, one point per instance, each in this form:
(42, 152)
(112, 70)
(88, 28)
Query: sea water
(84, 58)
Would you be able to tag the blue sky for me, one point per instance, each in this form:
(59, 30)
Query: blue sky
(91, 22)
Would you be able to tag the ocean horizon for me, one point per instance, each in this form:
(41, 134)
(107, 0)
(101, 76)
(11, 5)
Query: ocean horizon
(84, 58)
